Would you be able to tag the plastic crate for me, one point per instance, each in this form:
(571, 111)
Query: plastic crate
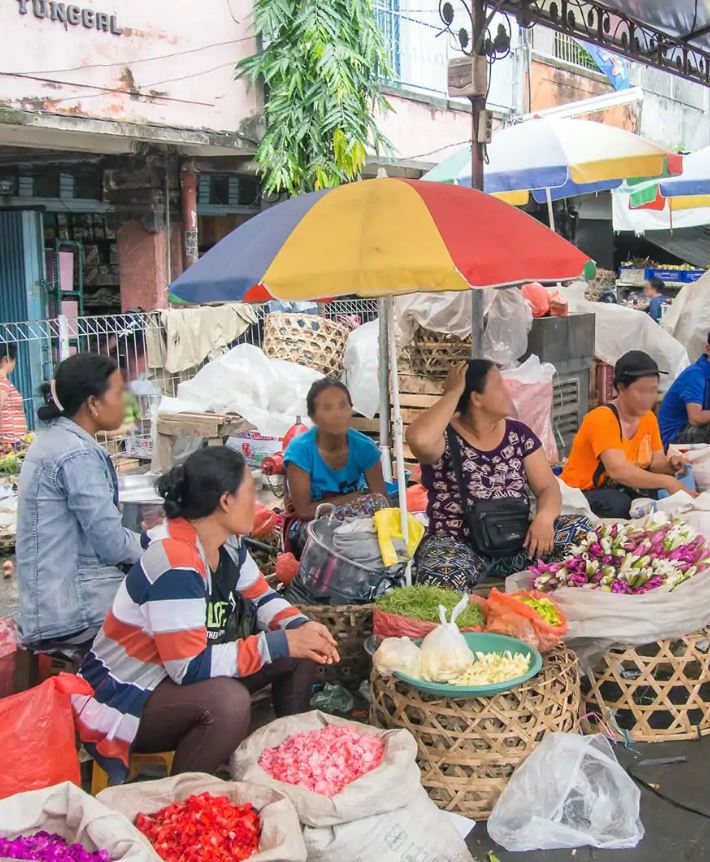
(684, 276)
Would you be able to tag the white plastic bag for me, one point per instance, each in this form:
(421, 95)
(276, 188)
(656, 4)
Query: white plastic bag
(570, 792)
(444, 653)
(400, 654)
(361, 368)
(530, 387)
(508, 321)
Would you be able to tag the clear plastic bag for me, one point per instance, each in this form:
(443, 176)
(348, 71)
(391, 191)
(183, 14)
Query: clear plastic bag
(570, 792)
(444, 652)
(400, 654)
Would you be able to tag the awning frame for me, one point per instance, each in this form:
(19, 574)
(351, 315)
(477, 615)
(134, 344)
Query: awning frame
(618, 32)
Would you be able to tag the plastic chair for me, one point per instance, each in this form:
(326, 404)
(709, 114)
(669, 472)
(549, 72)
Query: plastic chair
(99, 778)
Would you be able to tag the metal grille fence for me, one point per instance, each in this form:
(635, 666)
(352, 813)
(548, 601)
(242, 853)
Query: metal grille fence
(131, 339)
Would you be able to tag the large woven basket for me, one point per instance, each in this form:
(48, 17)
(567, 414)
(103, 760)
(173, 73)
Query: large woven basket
(433, 353)
(308, 340)
(351, 626)
(469, 748)
(655, 693)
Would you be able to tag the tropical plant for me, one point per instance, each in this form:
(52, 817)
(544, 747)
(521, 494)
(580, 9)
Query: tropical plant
(322, 64)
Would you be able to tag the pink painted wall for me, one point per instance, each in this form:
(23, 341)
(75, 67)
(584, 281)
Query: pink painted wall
(173, 64)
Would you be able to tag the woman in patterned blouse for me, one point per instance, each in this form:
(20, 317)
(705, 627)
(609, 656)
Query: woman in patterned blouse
(13, 425)
(500, 457)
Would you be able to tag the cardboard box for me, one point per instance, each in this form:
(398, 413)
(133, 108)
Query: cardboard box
(254, 446)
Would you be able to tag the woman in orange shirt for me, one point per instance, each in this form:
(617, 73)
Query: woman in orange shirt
(13, 425)
(617, 454)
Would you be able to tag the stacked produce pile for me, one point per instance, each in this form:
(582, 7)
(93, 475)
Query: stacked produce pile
(203, 828)
(630, 558)
(325, 760)
(48, 848)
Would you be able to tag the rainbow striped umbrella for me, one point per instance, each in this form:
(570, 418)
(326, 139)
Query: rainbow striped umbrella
(379, 238)
(375, 238)
(687, 190)
(559, 158)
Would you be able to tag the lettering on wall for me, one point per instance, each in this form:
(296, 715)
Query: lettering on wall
(68, 13)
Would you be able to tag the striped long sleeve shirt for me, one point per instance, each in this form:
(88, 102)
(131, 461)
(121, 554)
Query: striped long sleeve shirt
(156, 630)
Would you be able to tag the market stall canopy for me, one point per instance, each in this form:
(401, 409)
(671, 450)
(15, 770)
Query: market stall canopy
(642, 220)
(379, 237)
(560, 157)
(673, 35)
(687, 190)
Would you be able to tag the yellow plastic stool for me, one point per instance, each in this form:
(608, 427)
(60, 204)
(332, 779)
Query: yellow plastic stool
(99, 778)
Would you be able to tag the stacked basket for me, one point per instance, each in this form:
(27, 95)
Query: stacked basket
(306, 339)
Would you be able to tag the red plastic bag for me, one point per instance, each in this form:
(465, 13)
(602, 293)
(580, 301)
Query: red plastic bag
(388, 625)
(416, 498)
(38, 729)
(507, 615)
(538, 298)
(287, 567)
(265, 521)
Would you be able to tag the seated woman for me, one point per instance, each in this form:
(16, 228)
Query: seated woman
(617, 454)
(178, 657)
(70, 539)
(465, 442)
(332, 463)
(13, 425)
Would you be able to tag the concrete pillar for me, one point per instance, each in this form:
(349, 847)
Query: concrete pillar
(188, 186)
(142, 261)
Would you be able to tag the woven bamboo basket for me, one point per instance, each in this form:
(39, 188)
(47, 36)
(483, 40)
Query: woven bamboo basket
(433, 353)
(351, 626)
(656, 693)
(267, 562)
(308, 340)
(468, 748)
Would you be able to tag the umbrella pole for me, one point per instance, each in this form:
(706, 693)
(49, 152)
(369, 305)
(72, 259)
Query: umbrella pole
(550, 211)
(398, 428)
(383, 379)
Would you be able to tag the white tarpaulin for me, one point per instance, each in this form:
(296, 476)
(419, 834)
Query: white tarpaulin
(620, 329)
(508, 319)
(688, 318)
(269, 393)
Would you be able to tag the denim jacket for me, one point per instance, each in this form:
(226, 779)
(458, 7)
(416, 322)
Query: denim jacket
(70, 539)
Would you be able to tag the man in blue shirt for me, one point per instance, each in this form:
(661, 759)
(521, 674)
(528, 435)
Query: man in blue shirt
(684, 415)
(654, 292)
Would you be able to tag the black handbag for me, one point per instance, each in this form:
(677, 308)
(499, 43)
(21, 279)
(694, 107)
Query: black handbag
(496, 528)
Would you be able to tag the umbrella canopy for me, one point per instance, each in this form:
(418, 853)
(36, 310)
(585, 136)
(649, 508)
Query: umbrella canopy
(559, 158)
(687, 190)
(375, 238)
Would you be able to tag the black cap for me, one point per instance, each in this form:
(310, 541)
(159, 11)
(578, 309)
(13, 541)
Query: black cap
(634, 365)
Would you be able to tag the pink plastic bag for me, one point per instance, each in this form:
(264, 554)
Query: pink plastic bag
(530, 386)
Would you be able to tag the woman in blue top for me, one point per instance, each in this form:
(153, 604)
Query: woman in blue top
(332, 463)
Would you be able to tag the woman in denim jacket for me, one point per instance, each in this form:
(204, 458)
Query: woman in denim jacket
(70, 539)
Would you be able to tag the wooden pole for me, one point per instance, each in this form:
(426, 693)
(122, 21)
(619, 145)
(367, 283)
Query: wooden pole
(478, 106)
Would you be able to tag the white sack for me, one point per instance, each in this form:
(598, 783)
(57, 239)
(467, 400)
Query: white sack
(620, 329)
(385, 815)
(575, 503)
(598, 621)
(361, 368)
(281, 839)
(688, 318)
(77, 817)
(268, 393)
(570, 792)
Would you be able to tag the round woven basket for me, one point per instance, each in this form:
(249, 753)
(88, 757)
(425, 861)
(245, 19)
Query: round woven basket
(267, 562)
(351, 626)
(655, 693)
(469, 747)
(433, 353)
(308, 340)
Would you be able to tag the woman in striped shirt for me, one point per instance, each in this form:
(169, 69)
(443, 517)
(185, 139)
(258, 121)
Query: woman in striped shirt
(194, 630)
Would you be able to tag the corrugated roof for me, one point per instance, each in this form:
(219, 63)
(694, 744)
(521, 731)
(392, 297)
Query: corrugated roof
(691, 244)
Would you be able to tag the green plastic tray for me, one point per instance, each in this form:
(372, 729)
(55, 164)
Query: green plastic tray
(481, 642)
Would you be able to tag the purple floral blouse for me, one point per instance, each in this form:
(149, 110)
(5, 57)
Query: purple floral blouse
(495, 474)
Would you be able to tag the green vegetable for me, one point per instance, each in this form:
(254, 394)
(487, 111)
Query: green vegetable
(422, 603)
(543, 608)
(492, 857)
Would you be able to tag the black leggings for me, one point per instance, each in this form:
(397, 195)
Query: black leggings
(204, 722)
(609, 502)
